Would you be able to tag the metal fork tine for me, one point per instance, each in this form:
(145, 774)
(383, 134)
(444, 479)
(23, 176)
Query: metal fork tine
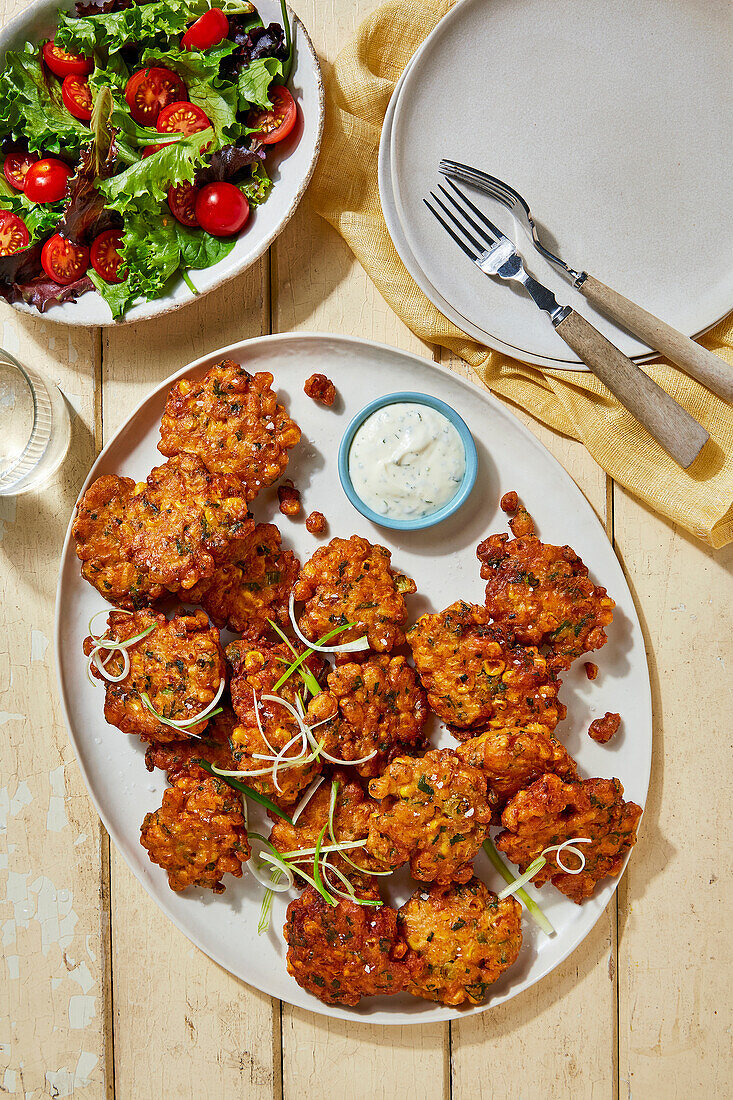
(479, 213)
(496, 187)
(459, 224)
(479, 229)
(471, 255)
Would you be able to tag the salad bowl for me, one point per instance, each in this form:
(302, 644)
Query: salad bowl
(290, 165)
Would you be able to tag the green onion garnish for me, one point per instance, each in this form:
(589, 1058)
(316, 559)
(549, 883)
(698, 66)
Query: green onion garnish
(531, 906)
(244, 789)
(317, 870)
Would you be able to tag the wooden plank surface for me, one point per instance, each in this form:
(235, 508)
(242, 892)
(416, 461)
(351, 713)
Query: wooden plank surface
(147, 1015)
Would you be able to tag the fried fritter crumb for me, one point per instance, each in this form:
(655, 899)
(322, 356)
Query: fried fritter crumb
(257, 668)
(544, 594)
(591, 670)
(381, 706)
(244, 595)
(509, 502)
(465, 937)
(179, 665)
(289, 499)
(351, 581)
(320, 388)
(513, 758)
(345, 952)
(185, 521)
(103, 542)
(435, 812)
(352, 812)
(316, 523)
(603, 729)
(232, 421)
(476, 674)
(551, 811)
(198, 834)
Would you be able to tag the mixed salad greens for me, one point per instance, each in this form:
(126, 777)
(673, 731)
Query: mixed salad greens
(134, 145)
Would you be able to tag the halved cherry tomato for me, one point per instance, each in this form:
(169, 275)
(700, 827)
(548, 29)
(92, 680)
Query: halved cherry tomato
(182, 201)
(221, 209)
(182, 118)
(275, 124)
(77, 97)
(63, 261)
(45, 181)
(14, 235)
(148, 91)
(106, 255)
(62, 63)
(208, 31)
(15, 167)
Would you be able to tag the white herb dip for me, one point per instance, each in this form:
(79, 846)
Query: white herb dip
(406, 461)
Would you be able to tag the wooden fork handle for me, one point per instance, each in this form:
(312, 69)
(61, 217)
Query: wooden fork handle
(671, 425)
(702, 364)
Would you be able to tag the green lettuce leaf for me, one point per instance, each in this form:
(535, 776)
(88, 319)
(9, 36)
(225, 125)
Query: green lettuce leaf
(31, 107)
(118, 296)
(146, 23)
(255, 80)
(200, 73)
(144, 185)
(199, 249)
(258, 187)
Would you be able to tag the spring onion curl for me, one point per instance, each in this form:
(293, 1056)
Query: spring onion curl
(305, 673)
(308, 653)
(332, 834)
(263, 924)
(249, 792)
(111, 647)
(273, 883)
(537, 864)
(357, 646)
(184, 724)
(531, 906)
(307, 797)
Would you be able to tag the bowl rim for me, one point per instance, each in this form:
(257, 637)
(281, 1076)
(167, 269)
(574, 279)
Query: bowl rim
(470, 473)
(34, 10)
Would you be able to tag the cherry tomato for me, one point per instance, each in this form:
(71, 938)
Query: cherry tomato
(106, 255)
(182, 118)
(221, 209)
(45, 181)
(208, 31)
(62, 63)
(77, 97)
(275, 124)
(148, 91)
(15, 167)
(63, 261)
(182, 201)
(14, 235)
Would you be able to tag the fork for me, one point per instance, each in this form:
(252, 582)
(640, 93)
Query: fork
(493, 253)
(707, 368)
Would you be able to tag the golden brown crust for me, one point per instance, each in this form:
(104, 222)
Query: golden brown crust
(351, 822)
(544, 594)
(179, 665)
(243, 595)
(232, 421)
(257, 668)
(186, 521)
(350, 580)
(382, 708)
(103, 542)
(198, 834)
(345, 952)
(434, 812)
(513, 758)
(213, 746)
(288, 499)
(551, 811)
(316, 524)
(464, 937)
(476, 674)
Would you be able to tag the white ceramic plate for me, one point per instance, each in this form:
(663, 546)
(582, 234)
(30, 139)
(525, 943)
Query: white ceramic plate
(587, 110)
(291, 167)
(443, 562)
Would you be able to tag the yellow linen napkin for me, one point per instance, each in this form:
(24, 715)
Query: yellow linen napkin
(345, 192)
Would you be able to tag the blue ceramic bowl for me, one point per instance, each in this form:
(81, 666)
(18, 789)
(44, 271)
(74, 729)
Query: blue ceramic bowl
(461, 494)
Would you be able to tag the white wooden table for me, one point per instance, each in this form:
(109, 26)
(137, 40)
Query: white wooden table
(101, 996)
